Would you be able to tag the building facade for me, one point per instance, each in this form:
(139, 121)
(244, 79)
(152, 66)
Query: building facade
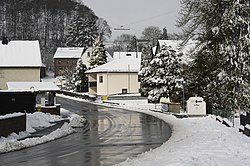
(119, 76)
(65, 59)
(20, 61)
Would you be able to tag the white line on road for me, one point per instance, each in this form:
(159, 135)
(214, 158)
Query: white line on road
(68, 154)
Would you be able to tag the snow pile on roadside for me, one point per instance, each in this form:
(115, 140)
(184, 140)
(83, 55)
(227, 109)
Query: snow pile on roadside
(40, 120)
(7, 145)
(194, 141)
(76, 121)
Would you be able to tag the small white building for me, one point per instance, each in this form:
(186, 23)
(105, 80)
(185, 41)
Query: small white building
(119, 76)
(196, 106)
(20, 61)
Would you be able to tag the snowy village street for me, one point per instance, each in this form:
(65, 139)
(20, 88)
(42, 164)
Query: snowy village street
(112, 136)
(124, 83)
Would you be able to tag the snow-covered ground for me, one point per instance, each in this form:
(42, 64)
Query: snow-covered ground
(194, 141)
(35, 122)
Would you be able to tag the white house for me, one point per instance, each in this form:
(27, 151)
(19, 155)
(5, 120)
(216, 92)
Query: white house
(115, 77)
(20, 61)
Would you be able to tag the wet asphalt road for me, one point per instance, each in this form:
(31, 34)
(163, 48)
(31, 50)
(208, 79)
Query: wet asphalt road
(111, 136)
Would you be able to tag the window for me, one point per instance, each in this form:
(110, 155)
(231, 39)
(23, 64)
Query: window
(124, 91)
(88, 54)
(128, 55)
(92, 84)
(100, 79)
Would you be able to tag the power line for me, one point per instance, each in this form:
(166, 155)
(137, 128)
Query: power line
(150, 18)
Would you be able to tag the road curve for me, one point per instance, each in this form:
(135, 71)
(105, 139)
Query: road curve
(111, 136)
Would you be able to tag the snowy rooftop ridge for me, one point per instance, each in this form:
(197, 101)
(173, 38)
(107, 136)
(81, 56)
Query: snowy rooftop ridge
(69, 52)
(36, 86)
(120, 55)
(20, 54)
(128, 64)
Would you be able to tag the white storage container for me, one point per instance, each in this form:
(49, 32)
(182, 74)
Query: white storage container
(196, 106)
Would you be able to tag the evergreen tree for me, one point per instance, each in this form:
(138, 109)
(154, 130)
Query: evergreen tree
(147, 56)
(221, 28)
(82, 32)
(164, 35)
(159, 76)
(79, 81)
(98, 55)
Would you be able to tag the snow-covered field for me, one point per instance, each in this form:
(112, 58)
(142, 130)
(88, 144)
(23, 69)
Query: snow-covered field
(36, 121)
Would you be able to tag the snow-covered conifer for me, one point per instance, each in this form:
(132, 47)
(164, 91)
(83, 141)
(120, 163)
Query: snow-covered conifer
(220, 69)
(78, 82)
(98, 55)
(82, 32)
(160, 75)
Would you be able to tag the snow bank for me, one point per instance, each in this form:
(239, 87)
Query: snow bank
(8, 145)
(11, 115)
(195, 141)
(40, 120)
(76, 121)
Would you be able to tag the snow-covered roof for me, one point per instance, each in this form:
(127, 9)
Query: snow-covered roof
(36, 86)
(69, 52)
(120, 55)
(20, 54)
(129, 64)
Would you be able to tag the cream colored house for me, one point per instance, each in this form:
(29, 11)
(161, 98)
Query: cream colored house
(20, 61)
(116, 77)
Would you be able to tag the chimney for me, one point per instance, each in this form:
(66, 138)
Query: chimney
(5, 40)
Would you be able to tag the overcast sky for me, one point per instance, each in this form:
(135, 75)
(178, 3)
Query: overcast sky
(136, 14)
